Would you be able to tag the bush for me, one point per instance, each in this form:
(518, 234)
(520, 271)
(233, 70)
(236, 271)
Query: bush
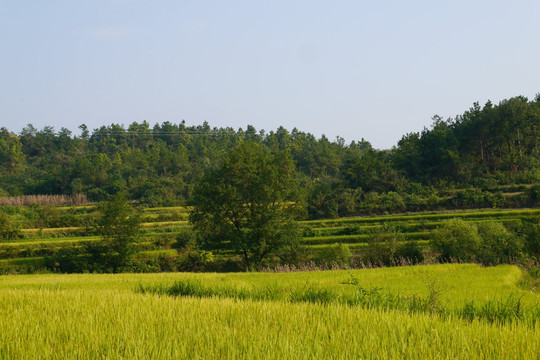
(308, 232)
(313, 295)
(71, 260)
(456, 239)
(433, 200)
(185, 238)
(166, 263)
(498, 244)
(337, 254)
(415, 202)
(533, 194)
(532, 239)
(349, 230)
(392, 201)
(468, 198)
(51, 217)
(496, 200)
(381, 248)
(140, 266)
(371, 202)
(8, 229)
(164, 241)
(410, 251)
(194, 260)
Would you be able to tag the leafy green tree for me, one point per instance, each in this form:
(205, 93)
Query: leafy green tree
(409, 251)
(12, 157)
(532, 239)
(338, 254)
(8, 229)
(381, 246)
(249, 203)
(498, 244)
(456, 239)
(119, 224)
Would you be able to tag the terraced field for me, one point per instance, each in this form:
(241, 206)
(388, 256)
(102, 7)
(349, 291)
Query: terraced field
(162, 225)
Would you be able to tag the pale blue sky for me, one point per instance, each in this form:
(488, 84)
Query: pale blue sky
(357, 69)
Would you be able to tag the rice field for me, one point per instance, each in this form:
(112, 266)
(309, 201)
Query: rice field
(89, 316)
(162, 225)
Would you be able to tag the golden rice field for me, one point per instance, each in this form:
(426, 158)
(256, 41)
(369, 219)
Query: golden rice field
(104, 317)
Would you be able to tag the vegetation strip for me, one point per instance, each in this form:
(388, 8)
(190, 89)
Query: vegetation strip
(508, 310)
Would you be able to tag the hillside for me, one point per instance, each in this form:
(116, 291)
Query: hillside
(487, 157)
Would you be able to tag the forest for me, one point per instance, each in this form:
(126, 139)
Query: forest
(487, 157)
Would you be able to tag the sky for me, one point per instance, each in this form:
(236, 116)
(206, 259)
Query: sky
(357, 69)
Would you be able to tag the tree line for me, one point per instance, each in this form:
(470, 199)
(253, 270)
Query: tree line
(466, 161)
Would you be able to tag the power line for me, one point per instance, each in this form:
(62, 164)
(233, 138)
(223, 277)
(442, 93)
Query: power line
(153, 133)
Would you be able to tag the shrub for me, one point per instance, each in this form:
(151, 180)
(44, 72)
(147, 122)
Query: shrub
(392, 201)
(8, 229)
(140, 266)
(339, 254)
(467, 198)
(293, 254)
(381, 248)
(532, 239)
(313, 294)
(496, 200)
(433, 200)
(415, 202)
(307, 232)
(456, 239)
(166, 263)
(349, 230)
(50, 217)
(164, 241)
(185, 238)
(371, 202)
(533, 194)
(498, 244)
(410, 251)
(194, 260)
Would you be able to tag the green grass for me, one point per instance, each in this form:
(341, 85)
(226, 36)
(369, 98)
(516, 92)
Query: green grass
(52, 230)
(156, 253)
(104, 316)
(163, 209)
(22, 261)
(44, 241)
(354, 239)
(362, 245)
(470, 214)
(460, 282)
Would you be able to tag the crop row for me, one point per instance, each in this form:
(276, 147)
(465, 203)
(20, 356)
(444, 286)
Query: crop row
(354, 239)
(496, 215)
(402, 227)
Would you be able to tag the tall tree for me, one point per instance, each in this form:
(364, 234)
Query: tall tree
(119, 224)
(249, 203)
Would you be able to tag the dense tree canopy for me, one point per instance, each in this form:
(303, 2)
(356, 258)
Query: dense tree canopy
(459, 162)
(248, 203)
(119, 224)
